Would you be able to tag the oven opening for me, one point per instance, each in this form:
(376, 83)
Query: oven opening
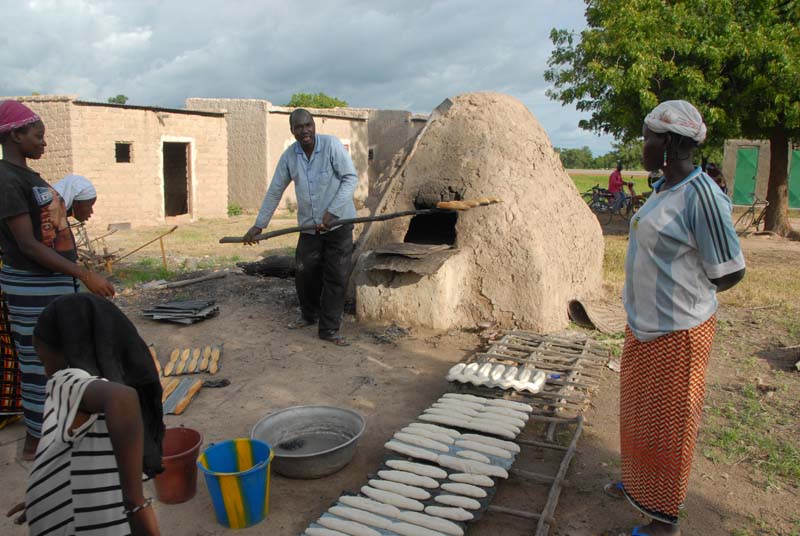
(437, 228)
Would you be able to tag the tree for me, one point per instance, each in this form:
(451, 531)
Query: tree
(576, 158)
(315, 100)
(738, 61)
(119, 99)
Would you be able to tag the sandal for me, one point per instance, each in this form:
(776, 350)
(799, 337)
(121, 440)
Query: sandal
(334, 338)
(614, 490)
(301, 322)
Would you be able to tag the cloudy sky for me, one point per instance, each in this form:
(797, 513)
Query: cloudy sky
(394, 54)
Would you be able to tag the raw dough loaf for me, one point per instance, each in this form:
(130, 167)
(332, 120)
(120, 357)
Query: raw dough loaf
(320, 531)
(410, 479)
(521, 415)
(455, 408)
(506, 445)
(420, 441)
(456, 514)
(436, 436)
(439, 429)
(462, 423)
(485, 449)
(360, 516)
(411, 451)
(461, 403)
(458, 501)
(393, 499)
(407, 529)
(468, 398)
(411, 492)
(469, 466)
(465, 489)
(417, 468)
(432, 523)
(471, 455)
(369, 505)
(348, 527)
(510, 404)
(489, 416)
(469, 478)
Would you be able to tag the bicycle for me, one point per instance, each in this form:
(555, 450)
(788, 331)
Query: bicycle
(749, 218)
(602, 203)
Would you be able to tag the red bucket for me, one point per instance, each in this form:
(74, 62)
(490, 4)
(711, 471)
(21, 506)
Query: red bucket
(178, 482)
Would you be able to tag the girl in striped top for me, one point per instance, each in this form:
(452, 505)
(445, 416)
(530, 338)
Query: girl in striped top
(87, 475)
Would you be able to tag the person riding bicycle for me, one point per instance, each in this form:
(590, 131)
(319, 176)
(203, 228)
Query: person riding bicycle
(615, 187)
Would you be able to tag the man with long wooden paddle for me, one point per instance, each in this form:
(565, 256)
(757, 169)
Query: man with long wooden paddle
(325, 180)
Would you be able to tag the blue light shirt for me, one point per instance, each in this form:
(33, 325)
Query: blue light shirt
(679, 240)
(326, 181)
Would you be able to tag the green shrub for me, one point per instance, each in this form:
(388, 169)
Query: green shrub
(234, 209)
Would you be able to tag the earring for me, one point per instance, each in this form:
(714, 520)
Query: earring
(665, 158)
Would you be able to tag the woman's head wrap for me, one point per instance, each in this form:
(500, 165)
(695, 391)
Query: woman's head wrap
(75, 188)
(94, 335)
(14, 114)
(677, 116)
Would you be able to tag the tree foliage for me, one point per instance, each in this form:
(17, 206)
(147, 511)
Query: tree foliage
(315, 100)
(738, 61)
(119, 99)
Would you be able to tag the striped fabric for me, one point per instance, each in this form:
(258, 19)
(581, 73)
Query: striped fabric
(662, 385)
(679, 240)
(237, 476)
(27, 294)
(10, 394)
(74, 485)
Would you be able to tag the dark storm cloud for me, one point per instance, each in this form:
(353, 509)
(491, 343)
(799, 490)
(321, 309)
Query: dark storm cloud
(383, 54)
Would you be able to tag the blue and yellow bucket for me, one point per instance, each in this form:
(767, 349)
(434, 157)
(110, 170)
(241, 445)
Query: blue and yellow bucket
(237, 476)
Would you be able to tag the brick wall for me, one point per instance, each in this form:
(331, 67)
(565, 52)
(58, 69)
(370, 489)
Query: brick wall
(133, 191)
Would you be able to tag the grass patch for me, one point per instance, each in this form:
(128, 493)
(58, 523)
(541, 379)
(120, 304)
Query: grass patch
(585, 182)
(142, 271)
(747, 430)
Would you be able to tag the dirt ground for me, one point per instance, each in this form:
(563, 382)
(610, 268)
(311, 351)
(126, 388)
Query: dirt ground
(271, 367)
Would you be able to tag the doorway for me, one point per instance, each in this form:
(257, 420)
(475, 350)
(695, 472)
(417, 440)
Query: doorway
(177, 178)
(794, 181)
(744, 181)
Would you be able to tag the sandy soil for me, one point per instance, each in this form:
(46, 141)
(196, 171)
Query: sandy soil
(271, 368)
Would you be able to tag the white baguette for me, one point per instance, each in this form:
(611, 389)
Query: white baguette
(420, 441)
(490, 416)
(433, 523)
(475, 480)
(470, 466)
(507, 445)
(321, 531)
(417, 468)
(411, 492)
(519, 406)
(412, 451)
(348, 527)
(393, 499)
(407, 529)
(480, 426)
(369, 505)
(436, 436)
(454, 513)
(483, 448)
(465, 489)
(439, 429)
(458, 500)
(472, 455)
(521, 415)
(468, 398)
(460, 403)
(409, 479)
(454, 408)
(360, 516)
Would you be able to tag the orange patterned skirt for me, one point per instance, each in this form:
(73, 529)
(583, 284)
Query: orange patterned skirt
(662, 385)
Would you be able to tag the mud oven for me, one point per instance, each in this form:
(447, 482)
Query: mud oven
(518, 263)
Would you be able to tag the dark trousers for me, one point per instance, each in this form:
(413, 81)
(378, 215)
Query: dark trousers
(323, 266)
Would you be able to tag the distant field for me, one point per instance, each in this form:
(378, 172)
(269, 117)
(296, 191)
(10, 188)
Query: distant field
(585, 182)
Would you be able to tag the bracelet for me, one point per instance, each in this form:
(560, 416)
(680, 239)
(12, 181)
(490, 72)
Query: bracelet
(146, 504)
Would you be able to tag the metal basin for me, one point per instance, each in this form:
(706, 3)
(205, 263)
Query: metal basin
(310, 441)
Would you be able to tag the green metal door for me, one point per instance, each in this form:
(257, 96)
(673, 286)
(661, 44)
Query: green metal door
(744, 181)
(794, 181)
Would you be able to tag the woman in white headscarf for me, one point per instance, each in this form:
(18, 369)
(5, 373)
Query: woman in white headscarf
(682, 250)
(79, 196)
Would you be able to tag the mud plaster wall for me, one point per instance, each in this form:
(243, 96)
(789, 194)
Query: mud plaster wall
(390, 131)
(133, 192)
(56, 113)
(529, 256)
(248, 159)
